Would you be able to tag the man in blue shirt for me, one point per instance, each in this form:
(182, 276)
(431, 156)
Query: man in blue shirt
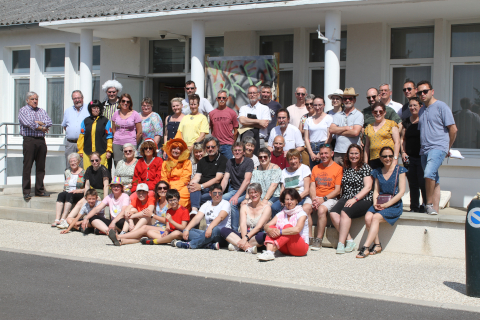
(72, 120)
(437, 134)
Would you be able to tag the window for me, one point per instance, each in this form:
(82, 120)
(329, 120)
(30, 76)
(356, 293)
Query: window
(282, 44)
(401, 74)
(96, 88)
(95, 58)
(465, 40)
(55, 60)
(167, 56)
(318, 82)
(317, 48)
(21, 61)
(21, 87)
(285, 88)
(412, 43)
(55, 87)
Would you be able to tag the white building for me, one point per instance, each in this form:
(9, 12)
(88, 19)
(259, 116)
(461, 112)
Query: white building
(152, 47)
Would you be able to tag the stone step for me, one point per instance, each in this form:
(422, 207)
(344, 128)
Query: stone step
(27, 214)
(17, 201)
(17, 189)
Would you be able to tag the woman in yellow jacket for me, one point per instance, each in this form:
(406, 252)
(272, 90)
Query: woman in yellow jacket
(177, 169)
(95, 135)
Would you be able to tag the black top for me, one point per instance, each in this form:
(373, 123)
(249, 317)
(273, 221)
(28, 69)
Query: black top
(237, 171)
(412, 138)
(273, 106)
(100, 135)
(96, 177)
(352, 182)
(172, 127)
(209, 169)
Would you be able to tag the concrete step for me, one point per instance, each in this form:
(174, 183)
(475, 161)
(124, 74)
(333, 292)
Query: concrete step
(17, 201)
(27, 214)
(17, 189)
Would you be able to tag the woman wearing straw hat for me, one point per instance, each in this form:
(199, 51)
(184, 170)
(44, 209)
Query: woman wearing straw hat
(177, 169)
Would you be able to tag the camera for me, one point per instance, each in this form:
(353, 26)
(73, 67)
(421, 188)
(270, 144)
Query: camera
(163, 33)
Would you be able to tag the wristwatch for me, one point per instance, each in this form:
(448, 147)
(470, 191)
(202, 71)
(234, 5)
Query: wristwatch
(201, 186)
(152, 215)
(396, 158)
(325, 198)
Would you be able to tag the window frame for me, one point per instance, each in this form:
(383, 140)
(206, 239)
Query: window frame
(43, 68)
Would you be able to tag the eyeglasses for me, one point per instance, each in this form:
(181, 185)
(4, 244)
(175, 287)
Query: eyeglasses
(238, 151)
(127, 151)
(221, 98)
(217, 193)
(95, 160)
(162, 188)
(407, 89)
(371, 97)
(173, 200)
(148, 148)
(308, 104)
(390, 156)
(262, 157)
(348, 98)
(378, 112)
(125, 101)
(419, 93)
(210, 147)
(300, 94)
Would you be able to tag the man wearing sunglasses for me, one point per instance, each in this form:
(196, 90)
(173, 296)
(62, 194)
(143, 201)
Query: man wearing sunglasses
(224, 124)
(372, 97)
(437, 134)
(347, 125)
(205, 106)
(409, 91)
(386, 97)
(298, 109)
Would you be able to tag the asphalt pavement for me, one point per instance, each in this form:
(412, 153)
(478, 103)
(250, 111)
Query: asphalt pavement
(38, 287)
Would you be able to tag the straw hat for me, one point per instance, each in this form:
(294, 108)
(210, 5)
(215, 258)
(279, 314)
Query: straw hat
(349, 92)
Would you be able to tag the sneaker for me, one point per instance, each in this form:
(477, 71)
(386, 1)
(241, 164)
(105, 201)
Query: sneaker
(340, 248)
(63, 224)
(266, 256)
(429, 209)
(317, 244)
(183, 245)
(311, 241)
(252, 250)
(173, 243)
(147, 241)
(350, 246)
(232, 247)
(214, 246)
(123, 232)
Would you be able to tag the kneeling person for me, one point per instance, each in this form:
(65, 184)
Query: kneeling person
(217, 216)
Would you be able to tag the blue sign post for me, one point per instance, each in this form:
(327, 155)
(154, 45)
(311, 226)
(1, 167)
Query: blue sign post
(472, 248)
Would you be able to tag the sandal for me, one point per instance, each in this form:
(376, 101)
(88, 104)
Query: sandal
(374, 251)
(362, 254)
(113, 236)
(55, 223)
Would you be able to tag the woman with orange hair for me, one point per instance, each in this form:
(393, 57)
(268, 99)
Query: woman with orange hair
(177, 169)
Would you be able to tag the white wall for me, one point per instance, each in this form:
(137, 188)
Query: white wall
(240, 43)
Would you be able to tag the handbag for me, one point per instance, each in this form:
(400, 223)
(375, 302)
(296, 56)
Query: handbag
(384, 198)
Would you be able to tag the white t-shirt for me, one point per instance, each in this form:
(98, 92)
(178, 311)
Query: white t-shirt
(296, 114)
(86, 208)
(116, 205)
(318, 132)
(212, 212)
(292, 137)
(256, 162)
(395, 106)
(304, 232)
(295, 179)
(72, 183)
(205, 107)
(261, 111)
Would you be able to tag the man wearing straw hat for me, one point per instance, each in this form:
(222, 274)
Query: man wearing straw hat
(347, 125)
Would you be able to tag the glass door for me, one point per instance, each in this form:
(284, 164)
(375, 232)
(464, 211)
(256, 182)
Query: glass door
(134, 85)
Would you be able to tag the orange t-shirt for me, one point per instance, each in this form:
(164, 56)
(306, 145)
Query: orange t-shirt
(179, 215)
(137, 204)
(326, 178)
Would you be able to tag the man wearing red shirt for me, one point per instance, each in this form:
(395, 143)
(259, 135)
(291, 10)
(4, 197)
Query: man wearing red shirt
(224, 125)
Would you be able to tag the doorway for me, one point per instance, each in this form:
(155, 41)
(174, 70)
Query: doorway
(165, 89)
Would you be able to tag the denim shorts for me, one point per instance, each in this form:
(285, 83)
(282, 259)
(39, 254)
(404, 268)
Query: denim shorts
(431, 162)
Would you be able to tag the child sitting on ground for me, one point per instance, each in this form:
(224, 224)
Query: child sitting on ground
(79, 222)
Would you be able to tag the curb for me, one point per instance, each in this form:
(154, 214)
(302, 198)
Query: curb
(362, 295)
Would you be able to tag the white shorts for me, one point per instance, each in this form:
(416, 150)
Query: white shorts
(308, 200)
(329, 204)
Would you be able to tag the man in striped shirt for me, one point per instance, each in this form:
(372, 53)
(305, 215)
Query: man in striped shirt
(34, 124)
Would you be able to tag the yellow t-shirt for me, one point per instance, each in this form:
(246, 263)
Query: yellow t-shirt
(381, 138)
(191, 126)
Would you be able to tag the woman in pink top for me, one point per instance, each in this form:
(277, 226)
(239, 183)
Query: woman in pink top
(126, 127)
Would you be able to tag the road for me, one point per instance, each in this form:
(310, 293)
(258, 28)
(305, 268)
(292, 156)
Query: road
(38, 287)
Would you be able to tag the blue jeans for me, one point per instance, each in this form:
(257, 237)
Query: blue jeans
(198, 198)
(431, 162)
(315, 149)
(226, 150)
(197, 238)
(235, 209)
(277, 206)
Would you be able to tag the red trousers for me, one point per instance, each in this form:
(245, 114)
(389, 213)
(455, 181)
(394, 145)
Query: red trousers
(289, 245)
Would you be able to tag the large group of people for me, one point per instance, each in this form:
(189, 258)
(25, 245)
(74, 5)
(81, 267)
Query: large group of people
(260, 186)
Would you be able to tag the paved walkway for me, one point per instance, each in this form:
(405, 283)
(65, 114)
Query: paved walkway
(414, 277)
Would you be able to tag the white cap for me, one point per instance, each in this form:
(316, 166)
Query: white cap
(142, 187)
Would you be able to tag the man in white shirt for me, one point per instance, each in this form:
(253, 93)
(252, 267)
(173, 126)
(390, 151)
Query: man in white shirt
(291, 134)
(386, 97)
(256, 116)
(205, 106)
(298, 109)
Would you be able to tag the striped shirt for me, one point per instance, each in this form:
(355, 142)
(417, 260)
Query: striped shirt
(109, 109)
(27, 117)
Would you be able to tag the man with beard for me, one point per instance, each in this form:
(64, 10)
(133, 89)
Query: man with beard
(290, 133)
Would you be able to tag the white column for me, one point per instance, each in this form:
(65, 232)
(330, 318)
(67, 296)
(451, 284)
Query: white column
(198, 56)
(332, 55)
(86, 61)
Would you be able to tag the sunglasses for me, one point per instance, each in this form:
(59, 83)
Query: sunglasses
(348, 98)
(378, 112)
(308, 104)
(111, 92)
(96, 107)
(326, 145)
(162, 188)
(237, 150)
(217, 193)
(419, 93)
(148, 148)
(210, 147)
(221, 98)
(115, 186)
(371, 97)
(407, 89)
(390, 156)
(127, 151)
(190, 89)
(95, 160)
(125, 101)
(301, 94)
(262, 157)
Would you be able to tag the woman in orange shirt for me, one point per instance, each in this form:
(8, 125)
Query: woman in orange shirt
(177, 169)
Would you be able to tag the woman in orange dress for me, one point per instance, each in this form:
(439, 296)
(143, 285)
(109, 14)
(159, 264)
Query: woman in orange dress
(177, 169)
